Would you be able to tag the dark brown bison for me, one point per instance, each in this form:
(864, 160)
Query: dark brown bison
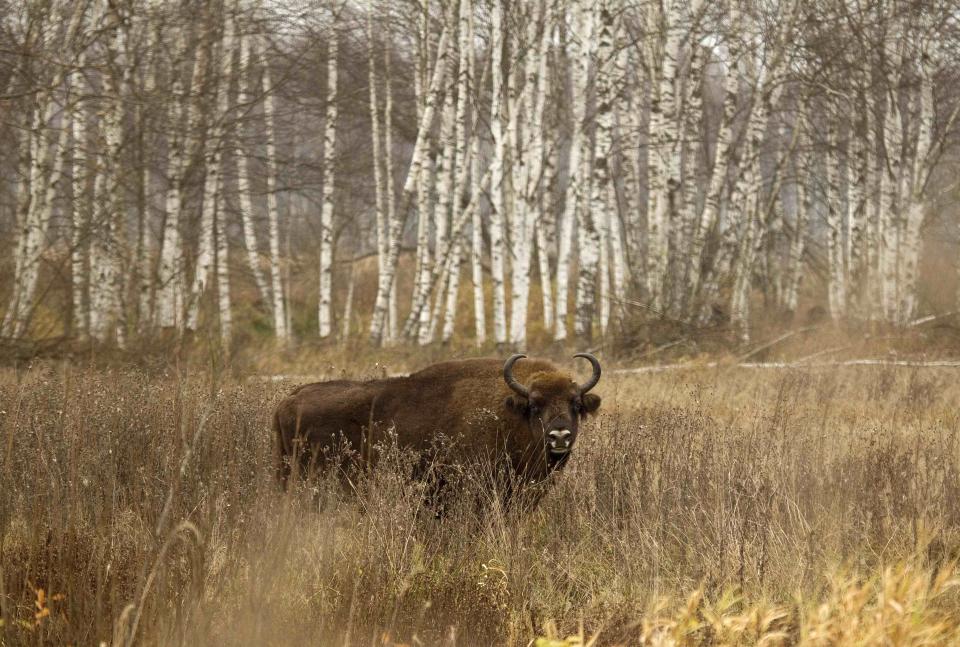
(525, 415)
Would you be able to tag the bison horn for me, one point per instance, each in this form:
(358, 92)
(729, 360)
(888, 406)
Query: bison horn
(596, 372)
(512, 381)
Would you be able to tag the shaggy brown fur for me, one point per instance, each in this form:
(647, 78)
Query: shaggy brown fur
(465, 402)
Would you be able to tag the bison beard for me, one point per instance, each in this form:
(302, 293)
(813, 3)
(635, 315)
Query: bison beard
(523, 416)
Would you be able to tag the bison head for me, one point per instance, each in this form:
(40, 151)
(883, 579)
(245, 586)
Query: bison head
(552, 404)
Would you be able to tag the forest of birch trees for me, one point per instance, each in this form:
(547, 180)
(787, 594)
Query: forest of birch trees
(475, 170)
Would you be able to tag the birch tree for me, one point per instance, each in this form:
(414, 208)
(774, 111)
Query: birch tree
(390, 188)
(425, 182)
(465, 79)
(45, 161)
(79, 215)
(581, 28)
(498, 169)
(445, 185)
(328, 180)
(106, 287)
(223, 268)
(179, 113)
(528, 160)
(836, 274)
(205, 268)
(385, 279)
(244, 196)
(589, 234)
(280, 312)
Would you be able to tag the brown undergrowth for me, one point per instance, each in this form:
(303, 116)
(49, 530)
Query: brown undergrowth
(718, 506)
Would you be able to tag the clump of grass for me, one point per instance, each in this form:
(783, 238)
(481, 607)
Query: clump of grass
(147, 505)
(906, 604)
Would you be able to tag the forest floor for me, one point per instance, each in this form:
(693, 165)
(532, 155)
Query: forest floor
(808, 505)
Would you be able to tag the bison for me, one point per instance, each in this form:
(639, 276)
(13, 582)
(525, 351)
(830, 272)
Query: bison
(525, 415)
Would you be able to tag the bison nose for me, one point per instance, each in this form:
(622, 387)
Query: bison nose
(559, 438)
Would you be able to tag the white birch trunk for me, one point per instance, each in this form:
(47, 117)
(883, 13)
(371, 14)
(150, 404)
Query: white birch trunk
(48, 163)
(476, 253)
(857, 201)
(205, 255)
(718, 192)
(425, 183)
(444, 255)
(47, 160)
(281, 314)
(546, 230)
(579, 160)
(146, 141)
(617, 93)
(107, 288)
(383, 244)
(465, 80)
(26, 168)
(528, 166)
(393, 316)
(222, 226)
(690, 125)
(671, 147)
(618, 260)
(592, 222)
(793, 271)
(520, 82)
(328, 176)
(634, 138)
(746, 217)
(603, 268)
(205, 269)
(890, 201)
(102, 270)
(424, 257)
(922, 114)
(281, 325)
(169, 273)
(762, 202)
(223, 270)
(836, 284)
(668, 151)
(498, 168)
(182, 124)
(445, 193)
(476, 223)
(763, 72)
(244, 197)
(385, 281)
(348, 303)
(743, 267)
(79, 217)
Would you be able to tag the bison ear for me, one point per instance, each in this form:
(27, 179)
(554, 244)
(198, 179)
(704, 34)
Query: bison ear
(517, 404)
(590, 402)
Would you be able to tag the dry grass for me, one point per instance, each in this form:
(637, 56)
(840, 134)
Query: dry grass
(703, 507)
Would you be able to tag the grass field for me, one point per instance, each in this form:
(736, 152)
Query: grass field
(709, 506)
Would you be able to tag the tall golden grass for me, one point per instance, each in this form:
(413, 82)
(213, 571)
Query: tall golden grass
(703, 507)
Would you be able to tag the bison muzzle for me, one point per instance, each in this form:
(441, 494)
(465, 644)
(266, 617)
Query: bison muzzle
(524, 415)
